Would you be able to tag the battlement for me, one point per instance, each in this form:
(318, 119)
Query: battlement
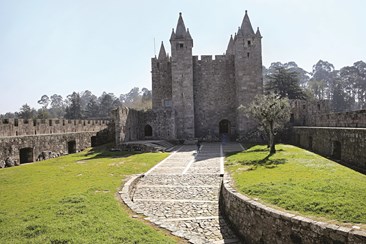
(24, 127)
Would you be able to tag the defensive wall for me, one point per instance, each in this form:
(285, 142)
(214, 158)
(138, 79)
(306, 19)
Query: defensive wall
(257, 223)
(214, 95)
(132, 125)
(24, 141)
(343, 144)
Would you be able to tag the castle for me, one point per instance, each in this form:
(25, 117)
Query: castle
(198, 98)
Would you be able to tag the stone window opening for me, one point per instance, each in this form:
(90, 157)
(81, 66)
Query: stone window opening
(318, 106)
(249, 43)
(248, 54)
(16, 122)
(50, 122)
(148, 131)
(34, 122)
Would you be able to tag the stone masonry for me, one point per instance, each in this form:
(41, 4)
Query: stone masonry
(199, 96)
(25, 141)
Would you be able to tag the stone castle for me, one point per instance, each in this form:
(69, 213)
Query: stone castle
(198, 98)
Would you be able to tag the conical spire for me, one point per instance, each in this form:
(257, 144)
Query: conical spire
(162, 53)
(258, 33)
(181, 28)
(230, 46)
(246, 26)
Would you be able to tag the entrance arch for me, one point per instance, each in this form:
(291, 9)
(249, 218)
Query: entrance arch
(224, 127)
(148, 130)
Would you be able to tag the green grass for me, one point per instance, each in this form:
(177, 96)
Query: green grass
(72, 199)
(297, 180)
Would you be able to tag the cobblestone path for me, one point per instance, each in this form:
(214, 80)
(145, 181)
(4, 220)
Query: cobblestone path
(181, 193)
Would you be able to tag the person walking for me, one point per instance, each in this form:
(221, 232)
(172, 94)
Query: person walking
(198, 146)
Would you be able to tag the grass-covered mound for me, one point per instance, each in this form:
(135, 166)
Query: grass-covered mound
(72, 199)
(298, 180)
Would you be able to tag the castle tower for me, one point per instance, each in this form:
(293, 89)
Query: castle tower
(248, 70)
(182, 80)
(161, 80)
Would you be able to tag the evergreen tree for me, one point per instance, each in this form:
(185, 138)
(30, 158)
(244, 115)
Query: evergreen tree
(285, 83)
(73, 111)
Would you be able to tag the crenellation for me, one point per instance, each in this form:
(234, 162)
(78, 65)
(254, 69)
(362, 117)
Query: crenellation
(24, 127)
(202, 92)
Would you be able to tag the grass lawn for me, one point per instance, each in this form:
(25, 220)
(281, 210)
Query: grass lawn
(72, 199)
(298, 180)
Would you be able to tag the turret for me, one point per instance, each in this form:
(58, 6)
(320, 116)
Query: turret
(182, 80)
(161, 80)
(248, 69)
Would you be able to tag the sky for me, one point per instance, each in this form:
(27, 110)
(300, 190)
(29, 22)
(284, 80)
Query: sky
(57, 47)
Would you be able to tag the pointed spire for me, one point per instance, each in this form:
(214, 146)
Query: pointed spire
(240, 33)
(246, 26)
(181, 28)
(188, 35)
(258, 33)
(162, 53)
(172, 36)
(230, 46)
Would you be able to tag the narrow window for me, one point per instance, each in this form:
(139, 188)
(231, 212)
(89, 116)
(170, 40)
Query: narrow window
(248, 54)
(249, 43)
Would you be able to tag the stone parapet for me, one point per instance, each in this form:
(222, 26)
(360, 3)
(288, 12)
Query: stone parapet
(257, 223)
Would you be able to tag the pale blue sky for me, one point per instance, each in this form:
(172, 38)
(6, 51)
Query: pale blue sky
(49, 46)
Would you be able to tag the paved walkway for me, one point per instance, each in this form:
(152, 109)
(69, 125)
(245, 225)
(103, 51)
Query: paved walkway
(181, 193)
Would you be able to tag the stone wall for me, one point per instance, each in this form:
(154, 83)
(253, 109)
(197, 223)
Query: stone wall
(131, 125)
(40, 147)
(22, 127)
(161, 75)
(257, 223)
(345, 144)
(354, 119)
(214, 94)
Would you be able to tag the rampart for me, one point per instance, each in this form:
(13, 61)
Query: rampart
(23, 127)
(214, 78)
(134, 125)
(25, 141)
(257, 223)
(344, 144)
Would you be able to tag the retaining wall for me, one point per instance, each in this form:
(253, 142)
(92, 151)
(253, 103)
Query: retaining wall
(257, 223)
(345, 144)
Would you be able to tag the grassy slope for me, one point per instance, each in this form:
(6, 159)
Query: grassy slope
(298, 180)
(72, 199)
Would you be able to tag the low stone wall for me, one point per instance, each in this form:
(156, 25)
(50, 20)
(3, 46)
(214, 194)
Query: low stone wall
(345, 144)
(257, 223)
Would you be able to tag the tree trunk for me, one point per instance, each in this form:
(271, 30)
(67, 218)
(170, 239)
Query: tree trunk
(271, 139)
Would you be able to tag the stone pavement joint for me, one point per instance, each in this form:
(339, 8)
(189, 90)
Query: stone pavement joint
(181, 193)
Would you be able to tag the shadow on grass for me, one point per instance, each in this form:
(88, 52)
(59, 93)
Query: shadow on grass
(104, 152)
(266, 162)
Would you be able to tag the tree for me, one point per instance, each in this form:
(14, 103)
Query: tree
(44, 101)
(322, 79)
(57, 109)
(272, 113)
(73, 110)
(92, 109)
(285, 83)
(26, 112)
(106, 104)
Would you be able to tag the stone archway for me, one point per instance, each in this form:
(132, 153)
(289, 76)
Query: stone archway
(224, 127)
(148, 131)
